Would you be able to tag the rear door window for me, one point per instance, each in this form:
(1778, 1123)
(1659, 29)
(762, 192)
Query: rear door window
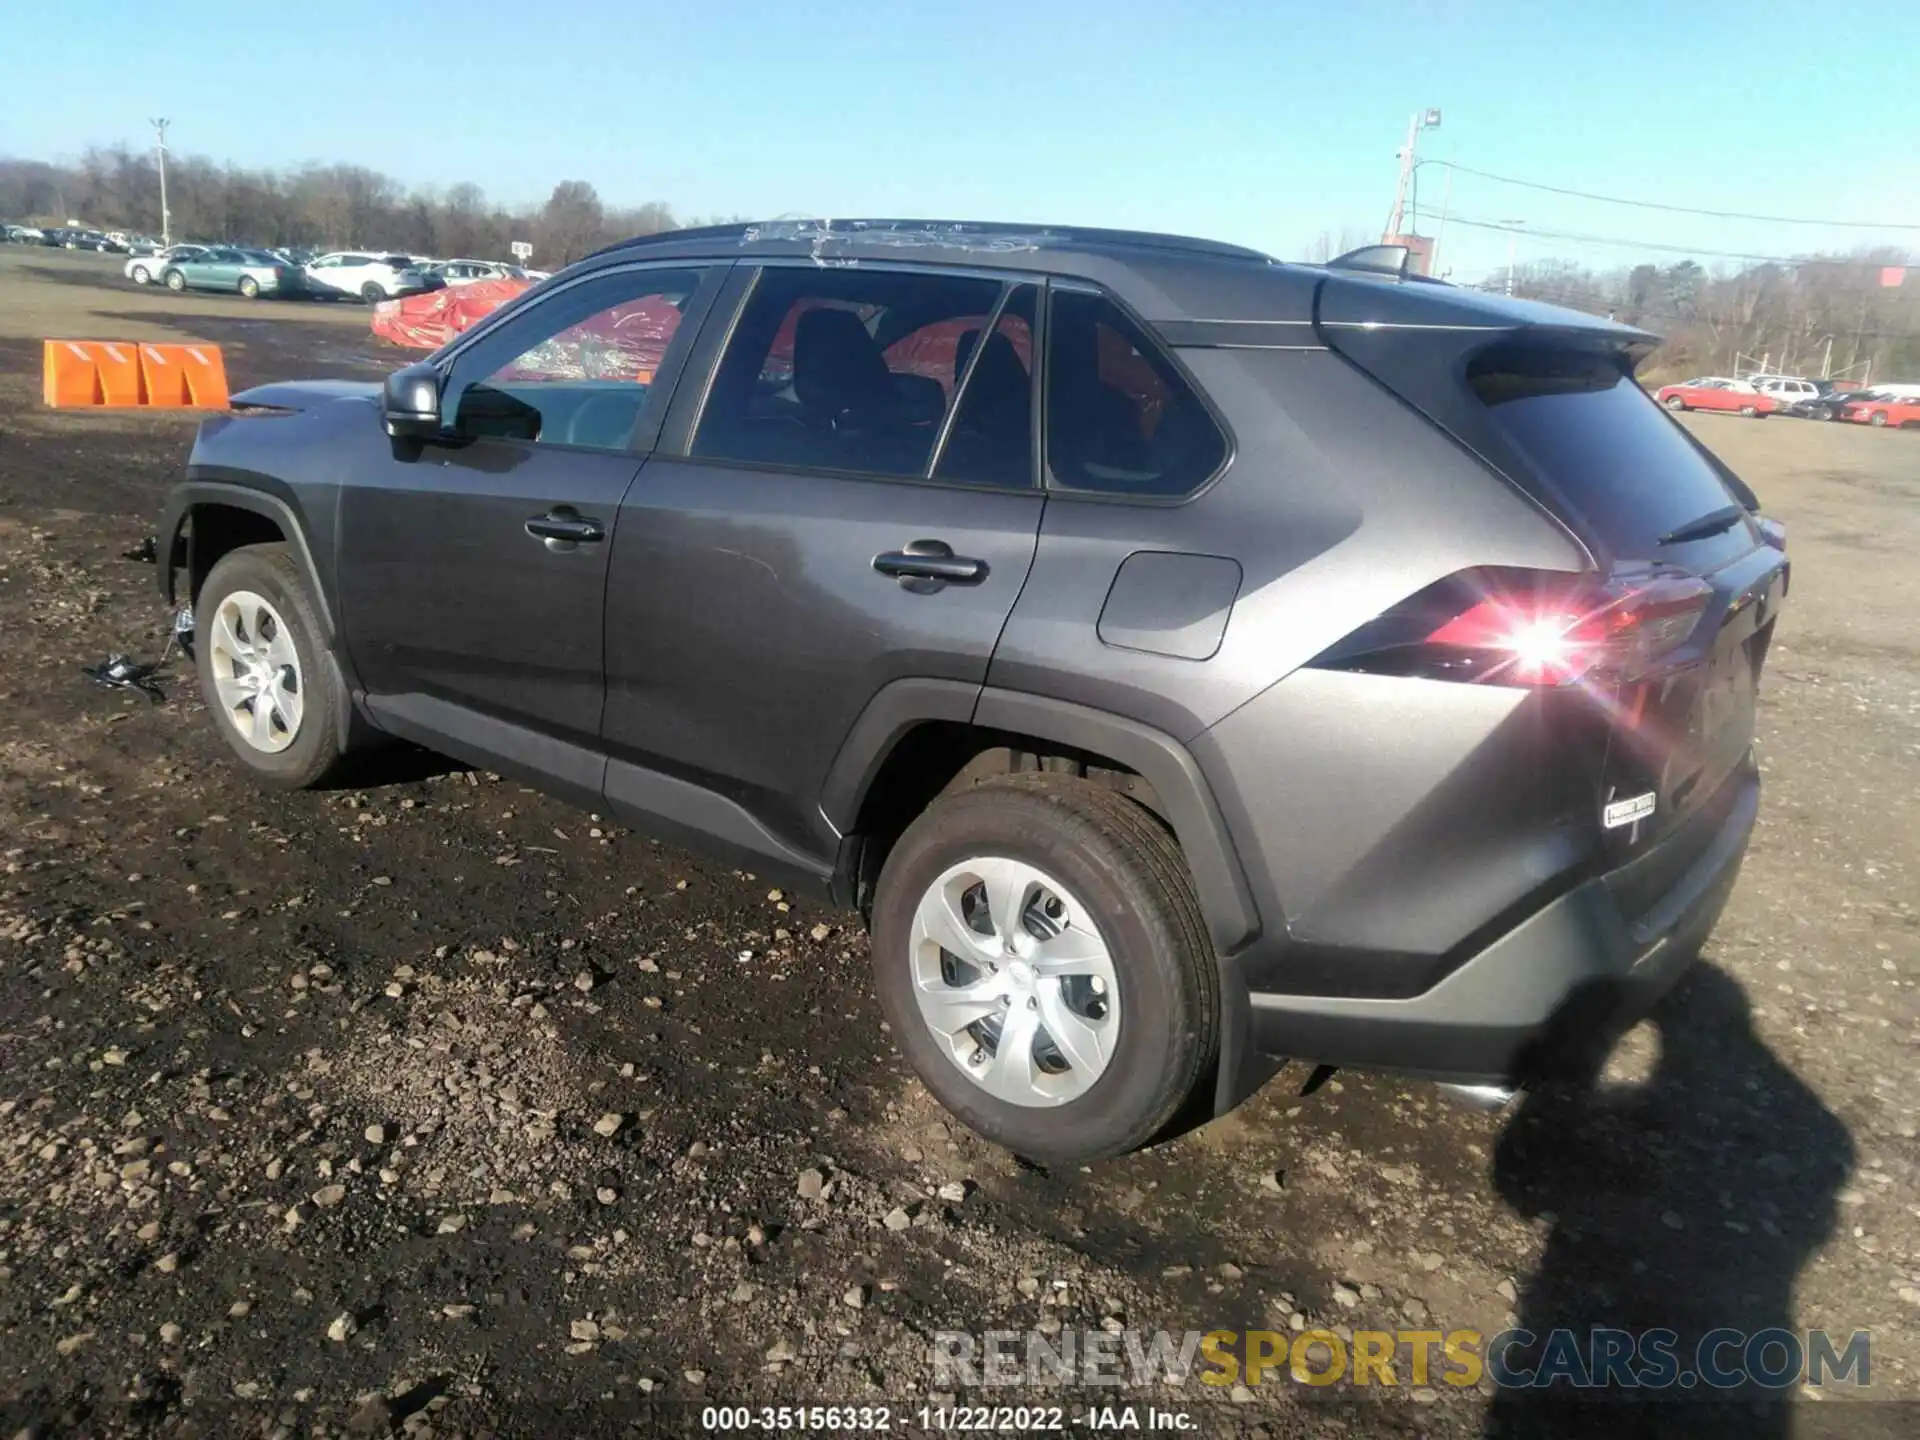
(1121, 419)
(1588, 430)
(845, 371)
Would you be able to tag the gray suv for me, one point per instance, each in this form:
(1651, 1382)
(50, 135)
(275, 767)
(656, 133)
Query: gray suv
(1186, 661)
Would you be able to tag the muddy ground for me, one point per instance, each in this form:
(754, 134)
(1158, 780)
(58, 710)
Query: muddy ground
(439, 1106)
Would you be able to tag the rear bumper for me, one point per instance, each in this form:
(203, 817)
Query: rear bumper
(1576, 965)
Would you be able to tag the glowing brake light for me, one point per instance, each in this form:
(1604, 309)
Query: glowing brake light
(1541, 648)
(1617, 627)
(1528, 628)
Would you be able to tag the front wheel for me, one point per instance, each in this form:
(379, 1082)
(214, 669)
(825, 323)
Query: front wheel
(1752, 412)
(249, 288)
(1675, 404)
(1878, 419)
(1042, 959)
(265, 671)
(140, 275)
(176, 281)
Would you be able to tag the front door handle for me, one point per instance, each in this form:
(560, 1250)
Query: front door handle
(926, 565)
(563, 527)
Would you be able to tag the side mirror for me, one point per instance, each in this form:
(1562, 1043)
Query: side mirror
(410, 403)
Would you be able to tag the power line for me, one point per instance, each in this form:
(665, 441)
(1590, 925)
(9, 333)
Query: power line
(1677, 209)
(1508, 228)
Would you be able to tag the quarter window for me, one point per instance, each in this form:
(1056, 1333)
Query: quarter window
(1121, 419)
(843, 370)
(578, 368)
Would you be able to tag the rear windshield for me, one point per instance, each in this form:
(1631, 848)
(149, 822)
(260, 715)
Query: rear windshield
(1599, 440)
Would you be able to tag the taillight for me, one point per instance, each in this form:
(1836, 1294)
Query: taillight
(1528, 628)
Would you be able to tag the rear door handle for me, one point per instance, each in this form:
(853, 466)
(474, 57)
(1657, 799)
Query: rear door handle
(928, 564)
(565, 526)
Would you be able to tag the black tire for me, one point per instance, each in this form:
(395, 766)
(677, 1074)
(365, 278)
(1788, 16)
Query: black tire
(1127, 869)
(372, 293)
(1752, 412)
(316, 751)
(249, 288)
(176, 282)
(1878, 419)
(1676, 404)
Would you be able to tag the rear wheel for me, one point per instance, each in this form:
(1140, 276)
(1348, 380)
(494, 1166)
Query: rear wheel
(249, 287)
(176, 281)
(1675, 403)
(265, 670)
(1752, 412)
(1878, 419)
(1043, 962)
(372, 293)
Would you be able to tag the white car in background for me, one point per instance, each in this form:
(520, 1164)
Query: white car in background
(469, 272)
(147, 269)
(371, 276)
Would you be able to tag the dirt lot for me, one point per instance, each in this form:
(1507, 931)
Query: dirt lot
(301, 1097)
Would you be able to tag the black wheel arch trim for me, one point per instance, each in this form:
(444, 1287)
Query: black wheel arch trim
(1232, 917)
(241, 490)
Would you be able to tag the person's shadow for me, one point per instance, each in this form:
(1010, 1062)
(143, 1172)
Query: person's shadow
(1687, 1203)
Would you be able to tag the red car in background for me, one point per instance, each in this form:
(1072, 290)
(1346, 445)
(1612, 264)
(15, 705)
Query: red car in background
(1896, 411)
(1714, 392)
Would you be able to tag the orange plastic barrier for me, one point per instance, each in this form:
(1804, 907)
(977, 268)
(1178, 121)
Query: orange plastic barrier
(100, 373)
(91, 373)
(183, 376)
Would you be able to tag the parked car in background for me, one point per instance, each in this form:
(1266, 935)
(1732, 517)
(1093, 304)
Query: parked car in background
(147, 269)
(468, 272)
(1882, 410)
(1062, 707)
(1716, 392)
(1824, 406)
(88, 240)
(251, 273)
(1789, 390)
(372, 277)
(22, 235)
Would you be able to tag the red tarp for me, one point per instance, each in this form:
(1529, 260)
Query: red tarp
(430, 320)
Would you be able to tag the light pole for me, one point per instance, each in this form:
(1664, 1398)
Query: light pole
(1513, 248)
(1403, 194)
(160, 148)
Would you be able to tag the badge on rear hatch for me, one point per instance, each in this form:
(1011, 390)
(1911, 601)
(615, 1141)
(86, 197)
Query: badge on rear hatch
(1627, 812)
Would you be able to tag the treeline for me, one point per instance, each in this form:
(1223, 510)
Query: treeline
(1832, 311)
(331, 206)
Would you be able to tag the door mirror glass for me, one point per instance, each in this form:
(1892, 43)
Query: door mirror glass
(410, 404)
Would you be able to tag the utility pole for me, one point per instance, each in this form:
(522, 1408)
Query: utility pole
(1403, 192)
(160, 148)
(1440, 234)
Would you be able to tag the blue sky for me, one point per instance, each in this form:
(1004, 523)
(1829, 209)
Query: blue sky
(1262, 123)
